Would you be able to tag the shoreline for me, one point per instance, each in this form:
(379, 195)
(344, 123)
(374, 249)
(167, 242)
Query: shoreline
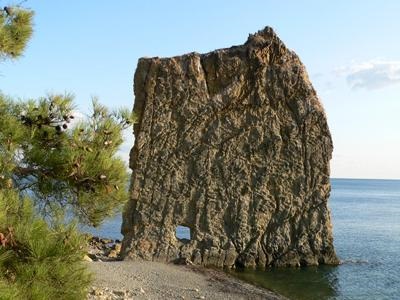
(139, 279)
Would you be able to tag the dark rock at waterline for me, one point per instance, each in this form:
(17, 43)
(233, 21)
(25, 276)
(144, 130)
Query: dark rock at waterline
(102, 249)
(233, 144)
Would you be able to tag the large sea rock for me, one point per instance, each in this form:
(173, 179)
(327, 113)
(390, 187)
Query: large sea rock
(233, 144)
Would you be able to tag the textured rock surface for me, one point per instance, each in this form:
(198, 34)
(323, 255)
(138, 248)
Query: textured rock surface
(233, 144)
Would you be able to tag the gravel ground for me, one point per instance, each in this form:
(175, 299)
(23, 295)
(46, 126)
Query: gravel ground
(152, 280)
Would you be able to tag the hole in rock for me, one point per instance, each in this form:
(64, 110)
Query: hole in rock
(183, 233)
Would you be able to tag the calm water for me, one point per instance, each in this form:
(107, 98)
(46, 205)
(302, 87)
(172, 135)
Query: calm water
(366, 223)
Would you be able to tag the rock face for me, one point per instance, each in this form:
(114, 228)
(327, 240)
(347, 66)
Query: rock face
(233, 144)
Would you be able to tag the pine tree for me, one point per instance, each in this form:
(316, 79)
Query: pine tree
(38, 260)
(15, 31)
(64, 166)
(52, 165)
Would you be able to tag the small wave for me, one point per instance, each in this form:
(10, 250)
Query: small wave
(353, 262)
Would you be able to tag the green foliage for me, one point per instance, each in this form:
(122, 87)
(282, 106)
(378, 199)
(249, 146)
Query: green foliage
(52, 164)
(61, 165)
(15, 31)
(65, 165)
(38, 261)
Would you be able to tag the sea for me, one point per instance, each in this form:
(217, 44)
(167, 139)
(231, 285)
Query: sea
(366, 226)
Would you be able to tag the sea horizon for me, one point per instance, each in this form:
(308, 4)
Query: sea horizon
(356, 178)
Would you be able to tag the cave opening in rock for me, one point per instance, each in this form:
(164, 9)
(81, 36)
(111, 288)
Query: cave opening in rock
(183, 233)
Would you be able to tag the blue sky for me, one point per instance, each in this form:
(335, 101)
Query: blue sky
(351, 50)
